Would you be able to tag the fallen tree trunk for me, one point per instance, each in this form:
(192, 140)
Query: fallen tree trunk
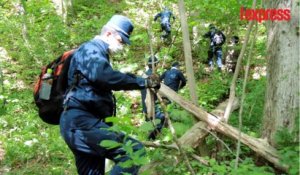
(260, 146)
(195, 135)
(192, 138)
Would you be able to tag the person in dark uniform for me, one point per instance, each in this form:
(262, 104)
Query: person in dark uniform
(174, 78)
(158, 112)
(90, 101)
(217, 39)
(165, 18)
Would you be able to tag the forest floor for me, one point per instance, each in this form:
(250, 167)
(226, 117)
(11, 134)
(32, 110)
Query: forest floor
(3, 57)
(10, 74)
(2, 152)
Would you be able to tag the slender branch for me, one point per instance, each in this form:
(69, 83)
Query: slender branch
(174, 39)
(243, 98)
(200, 159)
(218, 139)
(251, 109)
(169, 49)
(181, 151)
(172, 146)
(151, 107)
(237, 69)
(150, 45)
(159, 145)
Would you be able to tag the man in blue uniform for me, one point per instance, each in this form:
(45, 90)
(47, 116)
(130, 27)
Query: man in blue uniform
(165, 24)
(174, 78)
(90, 101)
(158, 113)
(217, 39)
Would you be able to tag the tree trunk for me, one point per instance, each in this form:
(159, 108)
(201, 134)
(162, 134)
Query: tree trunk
(22, 10)
(282, 94)
(194, 136)
(61, 7)
(187, 53)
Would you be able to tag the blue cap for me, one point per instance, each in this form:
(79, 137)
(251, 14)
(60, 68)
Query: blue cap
(122, 25)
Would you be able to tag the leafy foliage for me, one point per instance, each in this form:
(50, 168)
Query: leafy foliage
(253, 107)
(288, 145)
(213, 91)
(222, 168)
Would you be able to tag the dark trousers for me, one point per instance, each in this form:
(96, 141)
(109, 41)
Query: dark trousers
(215, 52)
(85, 145)
(166, 27)
(158, 127)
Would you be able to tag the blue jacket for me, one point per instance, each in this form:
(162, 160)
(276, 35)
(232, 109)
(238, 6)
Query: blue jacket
(174, 79)
(93, 93)
(210, 34)
(164, 16)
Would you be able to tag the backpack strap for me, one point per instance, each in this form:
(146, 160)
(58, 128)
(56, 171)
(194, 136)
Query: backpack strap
(77, 77)
(76, 80)
(57, 66)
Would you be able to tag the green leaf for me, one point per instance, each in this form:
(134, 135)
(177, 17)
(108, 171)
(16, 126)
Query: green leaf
(146, 127)
(110, 144)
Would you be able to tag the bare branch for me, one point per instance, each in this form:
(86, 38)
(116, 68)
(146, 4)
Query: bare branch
(243, 97)
(237, 69)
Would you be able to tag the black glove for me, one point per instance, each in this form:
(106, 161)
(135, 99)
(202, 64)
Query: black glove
(153, 81)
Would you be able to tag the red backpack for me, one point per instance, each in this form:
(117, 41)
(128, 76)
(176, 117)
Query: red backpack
(51, 109)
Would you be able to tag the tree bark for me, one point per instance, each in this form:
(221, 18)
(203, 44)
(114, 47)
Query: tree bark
(61, 7)
(282, 91)
(149, 101)
(187, 53)
(260, 146)
(195, 135)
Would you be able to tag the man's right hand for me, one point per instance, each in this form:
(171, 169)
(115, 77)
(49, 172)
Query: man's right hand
(153, 81)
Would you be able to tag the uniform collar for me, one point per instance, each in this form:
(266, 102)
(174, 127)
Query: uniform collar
(103, 45)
